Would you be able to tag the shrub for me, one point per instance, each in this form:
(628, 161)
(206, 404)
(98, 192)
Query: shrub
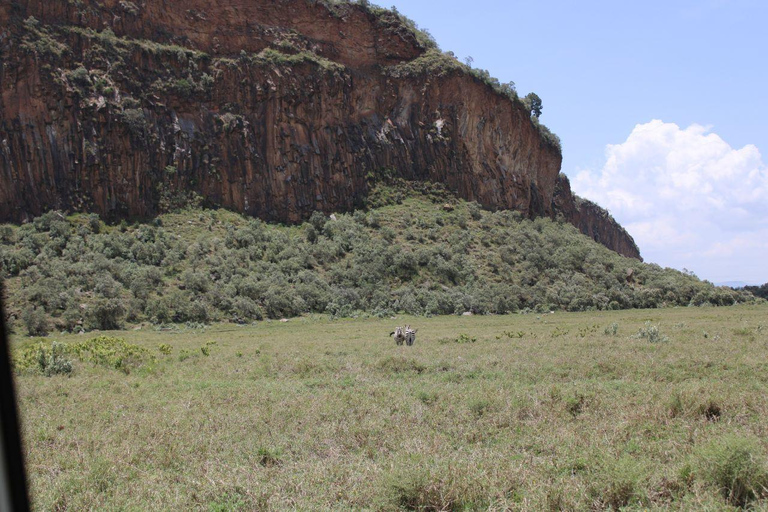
(107, 287)
(36, 321)
(651, 333)
(136, 121)
(54, 362)
(46, 359)
(105, 314)
(357, 263)
(195, 281)
(461, 338)
(736, 466)
(111, 352)
(246, 310)
(80, 77)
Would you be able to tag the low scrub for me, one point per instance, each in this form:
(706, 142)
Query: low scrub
(460, 339)
(56, 358)
(652, 333)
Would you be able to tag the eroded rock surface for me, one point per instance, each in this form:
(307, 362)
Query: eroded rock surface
(273, 108)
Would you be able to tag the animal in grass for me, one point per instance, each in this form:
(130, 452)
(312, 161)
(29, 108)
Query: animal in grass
(410, 335)
(399, 334)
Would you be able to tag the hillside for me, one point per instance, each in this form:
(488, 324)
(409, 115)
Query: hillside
(418, 252)
(273, 109)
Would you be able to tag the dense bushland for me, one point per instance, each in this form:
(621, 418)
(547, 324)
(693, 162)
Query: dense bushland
(415, 250)
(758, 291)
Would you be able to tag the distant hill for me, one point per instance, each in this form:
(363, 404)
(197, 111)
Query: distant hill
(414, 249)
(732, 284)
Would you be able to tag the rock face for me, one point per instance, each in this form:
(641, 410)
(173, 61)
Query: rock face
(592, 220)
(272, 108)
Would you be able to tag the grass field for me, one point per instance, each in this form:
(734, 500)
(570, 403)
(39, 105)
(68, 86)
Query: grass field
(565, 411)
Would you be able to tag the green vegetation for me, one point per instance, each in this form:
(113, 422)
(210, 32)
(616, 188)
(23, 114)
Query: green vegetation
(272, 58)
(432, 62)
(736, 466)
(758, 291)
(533, 103)
(38, 39)
(319, 414)
(416, 250)
(391, 19)
(106, 351)
(652, 334)
(114, 44)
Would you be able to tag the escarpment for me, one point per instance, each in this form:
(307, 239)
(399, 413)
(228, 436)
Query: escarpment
(272, 108)
(592, 220)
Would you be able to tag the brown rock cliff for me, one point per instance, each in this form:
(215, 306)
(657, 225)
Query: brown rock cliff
(273, 108)
(592, 220)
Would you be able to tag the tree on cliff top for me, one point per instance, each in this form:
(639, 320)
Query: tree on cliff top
(533, 103)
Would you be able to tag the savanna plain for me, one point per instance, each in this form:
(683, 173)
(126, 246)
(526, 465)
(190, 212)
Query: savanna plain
(631, 410)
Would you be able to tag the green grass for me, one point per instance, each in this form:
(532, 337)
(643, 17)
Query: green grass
(541, 412)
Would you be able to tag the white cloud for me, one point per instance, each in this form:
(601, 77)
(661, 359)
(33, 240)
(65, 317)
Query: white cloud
(688, 198)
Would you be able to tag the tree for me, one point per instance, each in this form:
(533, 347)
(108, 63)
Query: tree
(533, 103)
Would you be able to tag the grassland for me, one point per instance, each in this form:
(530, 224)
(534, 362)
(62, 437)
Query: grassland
(568, 411)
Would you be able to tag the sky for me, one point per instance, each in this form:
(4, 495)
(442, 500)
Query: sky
(661, 107)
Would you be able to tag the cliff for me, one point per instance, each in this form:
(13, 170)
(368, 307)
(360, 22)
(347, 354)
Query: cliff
(272, 108)
(593, 220)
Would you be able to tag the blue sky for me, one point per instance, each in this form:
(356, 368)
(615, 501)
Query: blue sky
(661, 107)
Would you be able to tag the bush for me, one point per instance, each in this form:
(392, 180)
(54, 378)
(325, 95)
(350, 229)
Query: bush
(736, 467)
(652, 333)
(41, 357)
(136, 121)
(357, 263)
(246, 310)
(105, 314)
(53, 362)
(36, 321)
(461, 339)
(111, 352)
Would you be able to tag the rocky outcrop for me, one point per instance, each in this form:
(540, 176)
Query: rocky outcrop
(272, 108)
(593, 220)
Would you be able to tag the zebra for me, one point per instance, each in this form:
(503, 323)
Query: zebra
(410, 335)
(399, 335)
